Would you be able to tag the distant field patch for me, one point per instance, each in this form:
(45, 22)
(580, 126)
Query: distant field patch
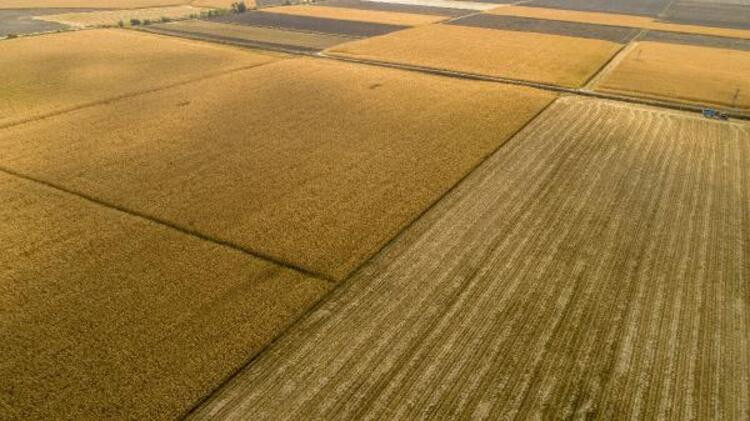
(552, 59)
(220, 4)
(313, 162)
(710, 14)
(395, 7)
(625, 7)
(131, 319)
(643, 22)
(693, 74)
(250, 35)
(42, 75)
(88, 4)
(113, 17)
(308, 24)
(389, 18)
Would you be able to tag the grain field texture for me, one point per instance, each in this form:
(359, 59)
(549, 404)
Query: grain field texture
(316, 163)
(692, 74)
(643, 22)
(104, 315)
(551, 59)
(53, 73)
(592, 268)
(388, 18)
(112, 17)
(220, 4)
(87, 4)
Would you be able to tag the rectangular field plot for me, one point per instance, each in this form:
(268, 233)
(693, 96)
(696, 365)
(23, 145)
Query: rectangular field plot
(107, 315)
(113, 17)
(395, 7)
(550, 59)
(625, 7)
(250, 35)
(88, 4)
(597, 265)
(389, 18)
(312, 162)
(710, 14)
(685, 73)
(53, 73)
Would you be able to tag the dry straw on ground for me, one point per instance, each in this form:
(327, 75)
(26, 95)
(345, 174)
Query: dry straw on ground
(687, 73)
(109, 316)
(113, 17)
(551, 59)
(42, 75)
(617, 20)
(314, 162)
(595, 267)
(389, 18)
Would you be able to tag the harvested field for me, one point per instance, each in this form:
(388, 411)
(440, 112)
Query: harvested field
(643, 22)
(593, 268)
(449, 4)
(22, 22)
(618, 34)
(87, 4)
(699, 75)
(388, 18)
(551, 59)
(112, 17)
(393, 7)
(325, 168)
(85, 67)
(106, 315)
(710, 14)
(308, 23)
(250, 35)
(630, 7)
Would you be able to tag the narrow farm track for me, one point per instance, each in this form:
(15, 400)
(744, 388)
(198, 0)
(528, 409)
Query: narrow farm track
(593, 266)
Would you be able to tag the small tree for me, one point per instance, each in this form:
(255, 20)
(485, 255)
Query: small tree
(239, 7)
(135, 22)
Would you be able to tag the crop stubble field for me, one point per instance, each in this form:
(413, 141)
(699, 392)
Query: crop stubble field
(106, 315)
(88, 4)
(551, 59)
(592, 267)
(687, 73)
(390, 18)
(112, 17)
(321, 182)
(52, 73)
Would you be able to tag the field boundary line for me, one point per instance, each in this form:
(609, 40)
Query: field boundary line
(156, 220)
(613, 61)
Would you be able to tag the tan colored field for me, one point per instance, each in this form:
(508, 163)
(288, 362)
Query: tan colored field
(88, 4)
(228, 32)
(359, 15)
(692, 74)
(617, 20)
(593, 268)
(106, 315)
(43, 75)
(313, 162)
(220, 4)
(112, 17)
(551, 59)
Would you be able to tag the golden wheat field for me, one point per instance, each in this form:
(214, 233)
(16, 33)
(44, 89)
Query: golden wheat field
(88, 4)
(321, 182)
(592, 268)
(106, 315)
(389, 18)
(53, 73)
(685, 73)
(551, 59)
(631, 21)
(113, 17)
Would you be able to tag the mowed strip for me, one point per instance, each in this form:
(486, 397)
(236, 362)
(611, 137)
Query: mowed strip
(684, 73)
(308, 23)
(631, 21)
(113, 17)
(550, 59)
(311, 162)
(389, 18)
(249, 35)
(106, 315)
(54, 73)
(596, 265)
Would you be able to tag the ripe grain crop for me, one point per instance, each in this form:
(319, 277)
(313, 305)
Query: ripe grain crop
(389, 18)
(594, 267)
(112, 17)
(88, 4)
(314, 162)
(692, 74)
(643, 22)
(552, 59)
(106, 315)
(43, 75)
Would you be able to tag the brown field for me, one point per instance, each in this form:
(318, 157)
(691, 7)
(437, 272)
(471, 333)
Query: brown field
(220, 4)
(389, 18)
(88, 4)
(551, 59)
(112, 17)
(109, 316)
(593, 268)
(631, 21)
(43, 75)
(686, 73)
(313, 162)
(241, 34)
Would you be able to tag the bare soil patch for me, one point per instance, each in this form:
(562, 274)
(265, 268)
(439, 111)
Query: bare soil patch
(393, 7)
(388, 18)
(629, 7)
(709, 14)
(697, 40)
(21, 22)
(308, 23)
